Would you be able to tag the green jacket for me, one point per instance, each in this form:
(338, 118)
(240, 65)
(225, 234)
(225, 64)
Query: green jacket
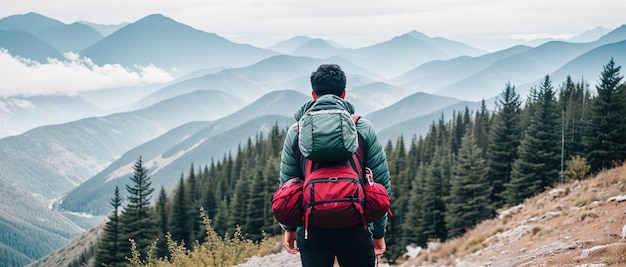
(292, 163)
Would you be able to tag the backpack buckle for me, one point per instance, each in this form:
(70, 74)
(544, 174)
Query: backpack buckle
(369, 177)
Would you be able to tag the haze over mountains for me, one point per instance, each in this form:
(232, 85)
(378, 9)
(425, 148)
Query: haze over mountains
(71, 150)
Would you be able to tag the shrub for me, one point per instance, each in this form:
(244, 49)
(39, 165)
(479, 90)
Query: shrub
(215, 251)
(577, 169)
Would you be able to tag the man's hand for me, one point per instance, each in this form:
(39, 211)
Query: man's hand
(379, 246)
(290, 242)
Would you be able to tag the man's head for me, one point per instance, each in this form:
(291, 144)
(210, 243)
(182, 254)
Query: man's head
(328, 79)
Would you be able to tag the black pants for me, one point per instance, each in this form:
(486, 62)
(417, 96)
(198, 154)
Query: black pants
(352, 246)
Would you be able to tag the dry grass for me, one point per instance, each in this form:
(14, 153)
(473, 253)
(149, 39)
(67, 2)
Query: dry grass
(615, 255)
(550, 229)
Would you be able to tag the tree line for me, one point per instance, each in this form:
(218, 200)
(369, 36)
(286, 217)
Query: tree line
(234, 192)
(459, 173)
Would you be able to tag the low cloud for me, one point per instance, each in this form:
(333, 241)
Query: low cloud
(24, 77)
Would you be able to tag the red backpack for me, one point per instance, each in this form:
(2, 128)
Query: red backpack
(332, 195)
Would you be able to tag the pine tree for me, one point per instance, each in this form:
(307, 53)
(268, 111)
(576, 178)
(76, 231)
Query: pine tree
(137, 218)
(431, 222)
(109, 249)
(504, 138)
(180, 220)
(193, 208)
(238, 203)
(255, 210)
(411, 231)
(222, 181)
(468, 202)
(529, 107)
(398, 166)
(161, 215)
(276, 139)
(538, 164)
(208, 198)
(574, 106)
(270, 172)
(457, 130)
(606, 135)
(237, 165)
(481, 130)
(221, 216)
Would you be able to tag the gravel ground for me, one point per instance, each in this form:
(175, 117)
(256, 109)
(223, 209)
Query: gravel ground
(282, 259)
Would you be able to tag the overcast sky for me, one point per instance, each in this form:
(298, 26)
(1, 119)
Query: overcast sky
(351, 23)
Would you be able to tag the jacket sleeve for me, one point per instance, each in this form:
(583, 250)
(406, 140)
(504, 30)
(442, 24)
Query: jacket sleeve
(375, 159)
(289, 162)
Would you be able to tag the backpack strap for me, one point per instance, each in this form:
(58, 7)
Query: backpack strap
(357, 161)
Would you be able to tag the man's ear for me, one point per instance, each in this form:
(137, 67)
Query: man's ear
(343, 95)
(314, 95)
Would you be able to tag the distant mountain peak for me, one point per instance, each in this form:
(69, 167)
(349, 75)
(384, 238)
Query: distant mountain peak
(598, 28)
(616, 35)
(590, 35)
(317, 48)
(317, 41)
(77, 24)
(154, 16)
(31, 22)
(30, 15)
(299, 38)
(408, 37)
(418, 35)
(155, 19)
(288, 46)
(159, 22)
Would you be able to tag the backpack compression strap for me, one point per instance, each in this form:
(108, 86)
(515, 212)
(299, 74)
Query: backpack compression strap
(357, 161)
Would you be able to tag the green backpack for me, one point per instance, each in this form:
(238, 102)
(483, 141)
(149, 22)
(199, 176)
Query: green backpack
(327, 131)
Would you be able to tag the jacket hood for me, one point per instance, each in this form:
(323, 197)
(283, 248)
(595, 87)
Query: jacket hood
(329, 100)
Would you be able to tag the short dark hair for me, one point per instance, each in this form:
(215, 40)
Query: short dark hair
(328, 79)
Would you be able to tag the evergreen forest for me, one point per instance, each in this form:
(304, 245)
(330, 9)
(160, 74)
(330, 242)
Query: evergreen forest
(445, 182)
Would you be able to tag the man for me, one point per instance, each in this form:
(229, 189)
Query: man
(352, 246)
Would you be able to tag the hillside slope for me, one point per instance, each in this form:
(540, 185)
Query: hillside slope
(575, 224)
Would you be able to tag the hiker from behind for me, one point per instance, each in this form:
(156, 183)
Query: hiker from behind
(320, 139)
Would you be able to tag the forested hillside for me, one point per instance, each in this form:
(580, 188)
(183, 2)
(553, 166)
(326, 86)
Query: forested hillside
(573, 224)
(444, 182)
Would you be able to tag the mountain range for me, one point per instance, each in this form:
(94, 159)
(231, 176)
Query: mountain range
(61, 156)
